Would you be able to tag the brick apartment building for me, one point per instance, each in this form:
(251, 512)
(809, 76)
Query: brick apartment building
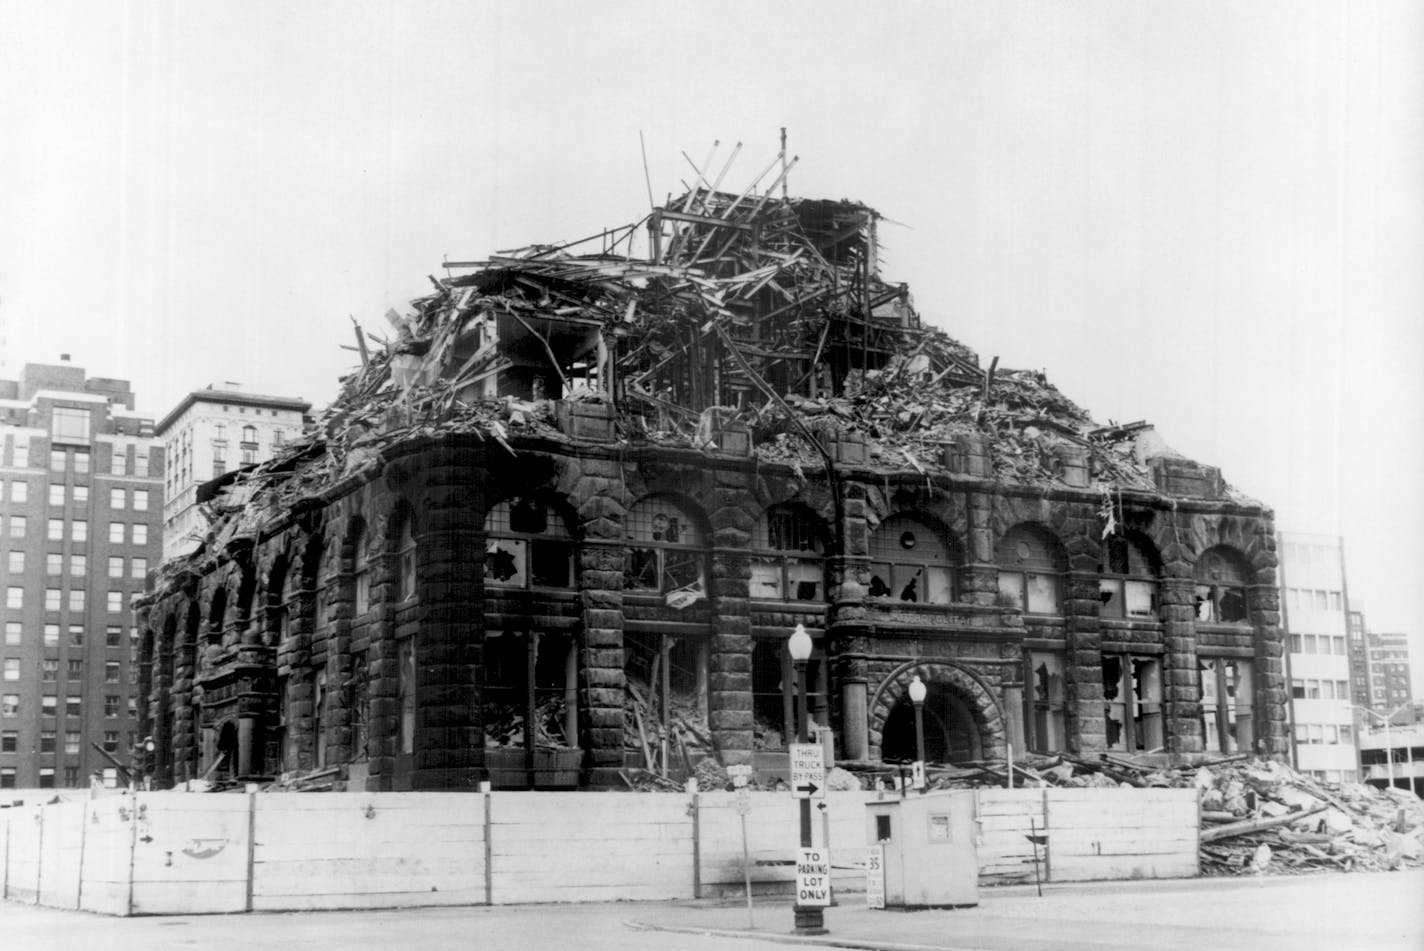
(564, 521)
(81, 497)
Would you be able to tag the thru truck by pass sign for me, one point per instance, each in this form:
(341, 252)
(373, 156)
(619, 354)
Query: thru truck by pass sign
(808, 771)
(813, 877)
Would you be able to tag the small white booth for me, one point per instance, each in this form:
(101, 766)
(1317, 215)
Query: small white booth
(921, 852)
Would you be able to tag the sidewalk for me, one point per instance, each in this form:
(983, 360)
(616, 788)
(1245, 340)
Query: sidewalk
(1367, 911)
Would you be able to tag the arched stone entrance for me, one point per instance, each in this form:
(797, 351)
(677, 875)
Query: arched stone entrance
(962, 717)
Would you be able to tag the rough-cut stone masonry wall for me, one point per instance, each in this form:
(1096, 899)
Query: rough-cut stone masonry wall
(445, 488)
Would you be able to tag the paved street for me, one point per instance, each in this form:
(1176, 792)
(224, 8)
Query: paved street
(1378, 912)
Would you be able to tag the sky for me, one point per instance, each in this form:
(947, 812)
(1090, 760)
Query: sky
(1208, 215)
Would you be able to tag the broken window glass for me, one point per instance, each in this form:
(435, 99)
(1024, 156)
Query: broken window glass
(1045, 682)
(788, 564)
(911, 562)
(528, 546)
(1220, 592)
(1129, 586)
(1132, 691)
(665, 551)
(1031, 571)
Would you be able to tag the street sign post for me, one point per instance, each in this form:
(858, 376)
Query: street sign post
(875, 876)
(808, 771)
(813, 877)
(917, 774)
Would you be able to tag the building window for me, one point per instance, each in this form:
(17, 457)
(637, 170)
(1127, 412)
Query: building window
(139, 534)
(774, 692)
(1031, 569)
(56, 529)
(69, 424)
(249, 456)
(53, 599)
(405, 693)
(10, 705)
(7, 777)
(116, 567)
(361, 575)
(49, 669)
(81, 462)
(76, 635)
(117, 461)
(47, 773)
(14, 597)
(71, 741)
(9, 741)
(140, 500)
(113, 636)
(115, 602)
(111, 741)
(528, 546)
(47, 739)
(116, 533)
(405, 560)
(57, 460)
(79, 531)
(665, 552)
(56, 493)
(909, 561)
(76, 599)
(1221, 586)
(1132, 692)
(19, 491)
(1127, 587)
(15, 563)
(249, 434)
(17, 526)
(111, 705)
(138, 568)
(54, 564)
(74, 707)
(787, 559)
(22, 453)
(118, 499)
(11, 668)
(78, 566)
(13, 633)
(1226, 705)
(111, 672)
(51, 635)
(141, 462)
(1045, 700)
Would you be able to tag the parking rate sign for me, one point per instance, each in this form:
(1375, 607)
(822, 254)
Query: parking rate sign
(808, 771)
(813, 877)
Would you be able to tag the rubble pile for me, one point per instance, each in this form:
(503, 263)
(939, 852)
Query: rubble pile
(1258, 815)
(746, 310)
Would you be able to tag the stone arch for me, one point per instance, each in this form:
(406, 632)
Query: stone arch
(960, 689)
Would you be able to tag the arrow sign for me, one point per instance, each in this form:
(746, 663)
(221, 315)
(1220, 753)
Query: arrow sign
(808, 771)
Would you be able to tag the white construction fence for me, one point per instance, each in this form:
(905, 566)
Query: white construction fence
(153, 853)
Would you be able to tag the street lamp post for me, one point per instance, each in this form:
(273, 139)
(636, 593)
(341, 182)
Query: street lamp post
(917, 697)
(809, 919)
(1388, 744)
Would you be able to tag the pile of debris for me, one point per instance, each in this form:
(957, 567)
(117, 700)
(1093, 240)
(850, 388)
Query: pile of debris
(764, 314)
(1258, 815)
(670, 745)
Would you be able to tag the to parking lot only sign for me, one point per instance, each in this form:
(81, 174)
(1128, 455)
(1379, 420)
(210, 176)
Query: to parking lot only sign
(808, 771)
(813, 877)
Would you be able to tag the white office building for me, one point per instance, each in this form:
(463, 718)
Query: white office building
(210, 433)
(1313, 608)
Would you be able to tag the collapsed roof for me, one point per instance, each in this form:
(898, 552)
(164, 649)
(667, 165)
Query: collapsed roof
(770, 311)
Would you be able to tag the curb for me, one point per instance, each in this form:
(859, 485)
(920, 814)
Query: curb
(822, 941)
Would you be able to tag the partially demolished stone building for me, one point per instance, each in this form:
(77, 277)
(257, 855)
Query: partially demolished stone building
(560, 524)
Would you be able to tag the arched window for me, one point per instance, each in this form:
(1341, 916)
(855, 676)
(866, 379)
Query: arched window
(249, 434)
(1030, 571)
(217, 613)
(528, 546)
(277, 623)
(405, 559)
(1221, 586)
(666, 549)
(322, 583)
(787, 557)
(1128, 583)
(909, 561)
(360, 574)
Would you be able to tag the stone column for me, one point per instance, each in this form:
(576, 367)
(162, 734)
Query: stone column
(1181, 670)
(1083, 667)
(1272, 693)
(599, 495)
(381, 714)
(449, 650)
(730, 697)
(979, 576)
(336, 718)
(847, 632)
